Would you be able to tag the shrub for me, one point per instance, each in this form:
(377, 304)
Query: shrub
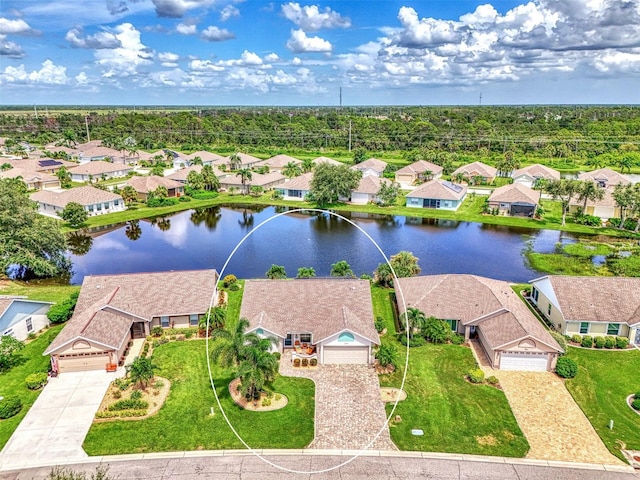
(609, 342)
(589, 220)
(10, 406)
(188, 334)
(566, 367)
(558, 337)
(184, 199)
(379, 324)
(457, 339)
(587, 341)
(229, 280)
(278, 397)
(622, 342)
(599, 342)
(416, 341)
(31, 336)
(387, 355)
(266, 402)
(36, 381)
(296, 362)
(313, 362)
(121, 413)
(476, 375)
(576, 339)
(180, 338)
(61, 312)
(636, 404)
(128, 404)
(136, 395)
(492, 380)
(158, 384)
(234, 287)
(278, 355)
(122, 383)
(161, 202)
(436, 330)
(157, 331)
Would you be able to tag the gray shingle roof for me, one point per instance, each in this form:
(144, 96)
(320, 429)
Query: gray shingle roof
(439, 189)
(321, 306)
(611, 177)
(598, 299)
(372, 163)
(419, 167)
(538, 171)
(149, 184)
(477, 168)
(515, 193)
(99, 167)
(108, 303)
(301, 182)
(278, 161)
(491, 304)
(370, 185)
(86, 195)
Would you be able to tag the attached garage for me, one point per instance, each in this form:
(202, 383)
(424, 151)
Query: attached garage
(527, 361)
(82, 362)
(346, 355)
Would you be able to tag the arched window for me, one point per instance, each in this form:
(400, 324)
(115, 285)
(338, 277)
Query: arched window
(259, 331)
(346, 337)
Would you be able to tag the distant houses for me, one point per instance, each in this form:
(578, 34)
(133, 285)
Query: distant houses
(99, 170)
(516, 200)
(476, 173)
(94, 201)
(437, 194)
(372, 166)
(417, 172)
(145, 185)
(533, 174)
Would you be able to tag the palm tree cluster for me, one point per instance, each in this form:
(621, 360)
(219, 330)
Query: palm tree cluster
(248, 354)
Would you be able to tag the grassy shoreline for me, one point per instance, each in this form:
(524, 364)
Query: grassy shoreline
(469, 211)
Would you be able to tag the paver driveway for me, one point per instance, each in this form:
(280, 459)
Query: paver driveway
(349, 410)
(550, 419)
(54, 429)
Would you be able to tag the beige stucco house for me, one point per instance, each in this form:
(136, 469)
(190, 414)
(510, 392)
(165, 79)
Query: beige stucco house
(372, 166)
(531, 175)
(145, 185)
(33, 180)
(99, 170)
(596, 306)
(511, 336)
(417, 172)
(332, 317)
(516, 200)
(94, 201)
(112, 309)
(297, 188)
(476, 172)
(438, 194)
(20, 316)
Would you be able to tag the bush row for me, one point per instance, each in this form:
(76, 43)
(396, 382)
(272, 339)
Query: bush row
(609, 342)
(61, 312)
(121, 413)
(36, 380)
(128, 404)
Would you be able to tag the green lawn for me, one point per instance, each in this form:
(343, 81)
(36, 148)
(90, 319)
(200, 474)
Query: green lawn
(604, 380)
(184, 423)
(456, 416)
(12, 381)
(46, 290)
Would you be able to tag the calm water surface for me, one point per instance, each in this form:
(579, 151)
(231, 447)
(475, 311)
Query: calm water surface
(204, 239)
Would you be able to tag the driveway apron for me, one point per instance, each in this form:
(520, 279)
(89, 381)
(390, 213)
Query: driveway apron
(349, 411)
(55, 427)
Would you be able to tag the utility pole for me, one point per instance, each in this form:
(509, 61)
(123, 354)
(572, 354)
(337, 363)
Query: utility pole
(349, 135)
(35, 109)
(480, 98)
(340, 97)
(86, 124)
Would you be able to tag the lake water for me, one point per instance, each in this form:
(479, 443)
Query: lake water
(205, 238)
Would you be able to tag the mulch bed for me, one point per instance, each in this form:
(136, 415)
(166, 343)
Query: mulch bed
(257, 405)
(155, 398)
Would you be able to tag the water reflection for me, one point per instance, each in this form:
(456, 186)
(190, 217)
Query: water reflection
(78, 243)
(209, 216)
(133, 230)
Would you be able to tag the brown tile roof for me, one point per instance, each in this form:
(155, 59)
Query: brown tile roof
(328, 160)
(606, 201)
(100, 152)
(98, 168)
(598, 299)
(611, 177)
(515, 193)
(38, 164)
(87, 195)
(279, 161)
(28, 176)
(83, 147)
(490, 304)
(322, 306)
(257, 179)
(246, 159)
(477, 168)
(441, 189)
(370, 185)
(538, 171)
(372, 163)
(301, 182)
(207, 157)
(149, 184)
(108, 303)
(419, 167)
(182, 174)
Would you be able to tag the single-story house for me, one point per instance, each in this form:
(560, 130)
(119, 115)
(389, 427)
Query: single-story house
(83, 147)
(33, 180)
(94, 201)
(367, 190)
(297, 188)
(417, 172)
(330, 319)
(438, 193)
(208, 158)
(372, 166)
(605, 208)
(19, 316)
(113, 309)
(145, 185)
(515, 199)
(266, 181)
(99, 170)
(182, 174)
(532, 174)
(246, 161)
(99, 153)
(277, 163)
(330, 161)
(511, 336)
(476, 172)
(605, 177)
(596, 306)
(42, 165)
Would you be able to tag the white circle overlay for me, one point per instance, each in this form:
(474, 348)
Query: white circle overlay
(214, 298)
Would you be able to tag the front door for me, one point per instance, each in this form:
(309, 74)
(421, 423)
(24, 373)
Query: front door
(637, 342)
(137, 330)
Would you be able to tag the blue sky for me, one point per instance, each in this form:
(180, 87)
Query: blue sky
(231, 52)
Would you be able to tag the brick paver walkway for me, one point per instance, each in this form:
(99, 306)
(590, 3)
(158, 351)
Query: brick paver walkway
(349, 411)
(550, 419)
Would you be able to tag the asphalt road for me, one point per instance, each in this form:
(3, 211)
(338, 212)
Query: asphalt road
(236, 467)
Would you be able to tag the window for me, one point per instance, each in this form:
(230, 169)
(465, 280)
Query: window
(431, 203)
(584, 327)
(106, 206)
(453, 324)
(534, 294)
(30, 325)
(346, 337)
(99, 207)
(164, 321)
(549, 309)
(305, 337)
(194, 320)
(259, 331)
(288, 340)
(116, 203)
(613, 329)
(90, 208)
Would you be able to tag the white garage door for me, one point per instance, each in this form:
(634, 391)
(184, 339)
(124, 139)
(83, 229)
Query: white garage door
(82, 363)
(344, 355)
(529, 361)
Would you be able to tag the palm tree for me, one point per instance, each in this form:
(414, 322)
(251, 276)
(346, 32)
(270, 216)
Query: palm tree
(459, 177)
(405, 264)
(235, 161)
(307, 165)
(211, 181)
(229, 349)
(291, 169)
(133, 230)
(342, 269)
(244, 174)
(128, 194)
(140, 371)
(589, 191)
(257, 368)
(625, 163)
(216, 317)
(416, 320)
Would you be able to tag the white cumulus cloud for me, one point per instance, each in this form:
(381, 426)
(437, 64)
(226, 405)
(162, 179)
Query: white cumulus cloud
(99, 40)
(299, 43)
(229, 12)
(125, 59)
(186, 29)
(49, 74)
(14, 26)
(311, 19)
(215, 34)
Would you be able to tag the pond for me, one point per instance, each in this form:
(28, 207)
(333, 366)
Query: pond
(204, 238)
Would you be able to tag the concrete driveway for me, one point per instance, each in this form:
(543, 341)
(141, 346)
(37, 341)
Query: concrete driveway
(55, 427)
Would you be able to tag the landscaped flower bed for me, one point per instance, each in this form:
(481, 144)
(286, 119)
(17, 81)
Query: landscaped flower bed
(124, 401)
